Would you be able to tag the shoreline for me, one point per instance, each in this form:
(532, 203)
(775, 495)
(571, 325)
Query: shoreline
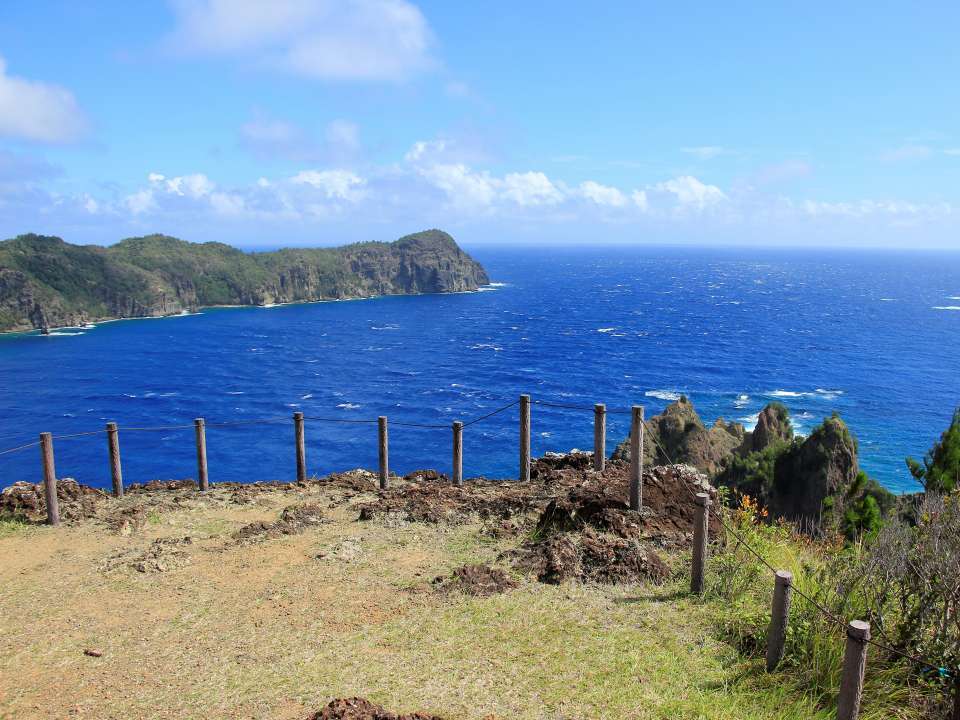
(93, 324)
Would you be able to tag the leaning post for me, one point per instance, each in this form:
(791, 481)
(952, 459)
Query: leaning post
(524, 437)
(116, 471)
(203, 480)
(700, 528)
(301, 446)
(384, 458)
(49, 479)
(599, 436)
(779, 617)
(636, 457)
(854, 665)
(457, 452)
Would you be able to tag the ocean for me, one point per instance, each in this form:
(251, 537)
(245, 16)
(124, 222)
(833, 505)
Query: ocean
(871, 335)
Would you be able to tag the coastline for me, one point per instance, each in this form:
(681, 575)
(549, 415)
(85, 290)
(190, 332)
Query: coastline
(200, 310)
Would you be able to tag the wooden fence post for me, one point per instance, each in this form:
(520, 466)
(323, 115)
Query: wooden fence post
(599, 436)
(113, 446)
(203, 480)
(457, 452)
(700, 528)
(384, 450)
(779, 617)
(524, 437)
(636, 458)
(49, 479)
(854, 665)
(301, 447)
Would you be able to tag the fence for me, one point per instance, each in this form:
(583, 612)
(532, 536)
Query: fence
(858, 636)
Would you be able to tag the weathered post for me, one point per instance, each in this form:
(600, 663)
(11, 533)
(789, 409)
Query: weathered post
(457, 452)
(599, 436)
(113, 446)
(301, 446)
(384, 459)
(700, 543)
(524, 437)
(636, 458)
(779, 617)
(854, 665)
(203, 481)
(49, 479)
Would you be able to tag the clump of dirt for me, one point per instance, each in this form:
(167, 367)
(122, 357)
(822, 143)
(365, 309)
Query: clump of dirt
(162, 555)
(479, 580)
(162, 486)
(553, 462)
(76, 501)
(361, 709)
(426, 476)
(127, 521)
(293, 520)
(347, 550)
(590, 556)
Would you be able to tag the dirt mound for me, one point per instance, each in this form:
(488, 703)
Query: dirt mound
(551, 462)
(293, 520)
(76, 501)
(443, 503)
(361, 709)
(590, 556)
(426, 476)
(479, 580)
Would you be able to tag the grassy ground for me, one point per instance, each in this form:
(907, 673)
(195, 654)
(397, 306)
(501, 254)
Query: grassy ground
(271, 630)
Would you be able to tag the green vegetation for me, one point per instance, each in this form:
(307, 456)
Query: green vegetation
(940, 471)
(45, 281)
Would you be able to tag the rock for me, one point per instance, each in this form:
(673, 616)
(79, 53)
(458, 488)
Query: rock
(678, 435)
(824, 465)
(425, 476)
(76, 501)
(293, 520)
(773, 426)
(93, 652)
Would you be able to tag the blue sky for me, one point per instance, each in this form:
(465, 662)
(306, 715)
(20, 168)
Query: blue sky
(325, 121)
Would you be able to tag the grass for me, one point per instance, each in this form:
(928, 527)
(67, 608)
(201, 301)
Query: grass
(269, 630)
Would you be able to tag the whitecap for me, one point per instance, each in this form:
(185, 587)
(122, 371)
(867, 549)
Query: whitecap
(606, 330)
(292, 405)
(821, 391)
(348, 406)
(940, 307)
(390, 326)
(234, 392)
(307, 396)
(61, 333)
(750, 421)
(486, 346)
(741, 400)
(496, 285)
(663, 394)
(787, 394)
(887, 299)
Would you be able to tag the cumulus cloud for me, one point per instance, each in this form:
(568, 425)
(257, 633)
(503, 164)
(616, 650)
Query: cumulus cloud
(42, 112)
(602, 194)
(691, 192)
(531, 188)
(326, 39)
(335, 184)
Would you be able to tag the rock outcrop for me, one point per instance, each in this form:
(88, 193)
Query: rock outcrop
(823, 466)
(773, 426)
(46, 282)
(678, 435)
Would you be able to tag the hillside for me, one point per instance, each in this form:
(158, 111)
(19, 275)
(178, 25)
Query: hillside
(47, 282)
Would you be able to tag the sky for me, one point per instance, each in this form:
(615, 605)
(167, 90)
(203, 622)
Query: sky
(317, 122)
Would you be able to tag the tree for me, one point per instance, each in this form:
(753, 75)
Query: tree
(940, 472)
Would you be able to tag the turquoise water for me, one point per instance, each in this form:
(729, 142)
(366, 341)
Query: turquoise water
(873, 336)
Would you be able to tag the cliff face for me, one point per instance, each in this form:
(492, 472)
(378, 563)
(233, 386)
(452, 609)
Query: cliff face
(46, 282)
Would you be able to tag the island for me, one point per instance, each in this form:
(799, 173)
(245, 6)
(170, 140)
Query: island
(46, 282)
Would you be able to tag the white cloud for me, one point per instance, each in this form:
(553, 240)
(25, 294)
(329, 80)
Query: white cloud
(141, 202)
(707, 152)
(691, 193)
(462, 186)
(326, 39)
(602, 194)
(531, 188)
(335, 184)
(195, 186)
(640, 200)
(38, 111)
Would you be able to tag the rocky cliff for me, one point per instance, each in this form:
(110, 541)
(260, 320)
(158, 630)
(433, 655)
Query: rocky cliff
(46, 282)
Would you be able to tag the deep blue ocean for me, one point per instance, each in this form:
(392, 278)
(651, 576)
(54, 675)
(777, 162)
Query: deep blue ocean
(872, 335)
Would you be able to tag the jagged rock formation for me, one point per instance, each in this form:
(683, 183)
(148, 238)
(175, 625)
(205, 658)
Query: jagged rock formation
(678, 435)
(824, 465)
(46, 282)
(773, 426)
